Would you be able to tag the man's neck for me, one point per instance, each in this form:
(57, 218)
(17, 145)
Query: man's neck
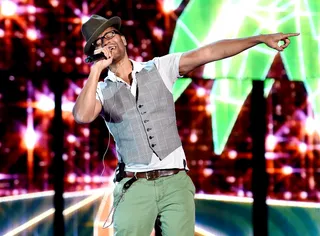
(122, 69)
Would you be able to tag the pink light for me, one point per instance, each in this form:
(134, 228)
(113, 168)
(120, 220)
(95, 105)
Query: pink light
(303, 195)
(31, 9)
(72, 178)
(310, 125)
(15, 192)
(158, 33)
(87, 155)
(207, 172)
(209, 109)
(168, 6)
(8, 8)
(193, 137)
(67, 106)
(86, 132)
(130, 45)
(1, 33)
(96, 179)
(231, 179)
(303, 147)
(78, 60)
(63, 60)
(30, 138)
(232, 154)
(139, 59)
(44, 103)
(201, 92)
(71, 138)
(32, 34)
(287, 170)
(129, 22)
(287, 195)
(87, 179)
(270, 156)
(240, 193)
(54, 3)
(56, 51)
(77, 11)
(65, 157)
(84, 19)
(77, 90)
(271, 142)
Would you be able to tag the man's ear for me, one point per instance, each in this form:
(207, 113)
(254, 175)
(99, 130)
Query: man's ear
(124, 40)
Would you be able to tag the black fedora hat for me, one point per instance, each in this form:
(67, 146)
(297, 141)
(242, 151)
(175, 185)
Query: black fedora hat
(94, 27)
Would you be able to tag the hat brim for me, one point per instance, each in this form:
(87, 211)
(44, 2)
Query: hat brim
(114, 22)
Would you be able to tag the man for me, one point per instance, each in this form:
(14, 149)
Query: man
(137, 104)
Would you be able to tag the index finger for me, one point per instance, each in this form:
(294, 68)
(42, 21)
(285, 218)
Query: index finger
(97, 51)
(291, 35)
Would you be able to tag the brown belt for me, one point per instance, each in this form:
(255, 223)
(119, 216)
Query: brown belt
(154, 174)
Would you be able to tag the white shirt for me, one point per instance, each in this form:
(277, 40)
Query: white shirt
(168, 67)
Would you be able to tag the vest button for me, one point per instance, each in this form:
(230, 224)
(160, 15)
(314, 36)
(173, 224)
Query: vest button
(144, 112)
(153, 145)
(148, 129)
(145, 121)
(140, 106)
(151, 137)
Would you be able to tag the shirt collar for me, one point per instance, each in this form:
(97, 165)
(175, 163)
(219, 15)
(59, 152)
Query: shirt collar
(137, 67)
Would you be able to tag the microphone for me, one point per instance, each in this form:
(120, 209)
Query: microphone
(95, 57)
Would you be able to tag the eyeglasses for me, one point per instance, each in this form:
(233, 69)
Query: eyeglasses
(109, 35)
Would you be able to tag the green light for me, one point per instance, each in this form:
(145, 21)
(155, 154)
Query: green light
(206, 21)
(179, 87)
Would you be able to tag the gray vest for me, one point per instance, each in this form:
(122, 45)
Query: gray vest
(144, 124)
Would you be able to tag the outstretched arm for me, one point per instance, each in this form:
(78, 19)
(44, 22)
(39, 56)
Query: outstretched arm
(228, 48)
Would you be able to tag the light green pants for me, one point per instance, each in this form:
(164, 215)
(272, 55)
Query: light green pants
(170, 197)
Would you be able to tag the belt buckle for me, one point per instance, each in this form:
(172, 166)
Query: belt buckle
(151, 175)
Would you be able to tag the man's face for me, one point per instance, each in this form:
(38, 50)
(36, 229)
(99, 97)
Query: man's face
(114, 41)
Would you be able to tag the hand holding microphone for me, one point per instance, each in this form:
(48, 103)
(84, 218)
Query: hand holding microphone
(100, 54)
(95, 57)
(101, 58)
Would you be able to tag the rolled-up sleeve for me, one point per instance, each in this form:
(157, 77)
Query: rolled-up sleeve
(99, 95)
